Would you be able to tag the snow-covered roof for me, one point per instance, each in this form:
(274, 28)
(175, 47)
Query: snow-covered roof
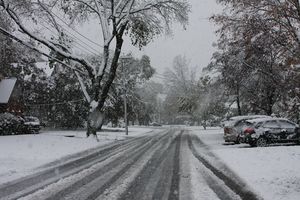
(6, 89)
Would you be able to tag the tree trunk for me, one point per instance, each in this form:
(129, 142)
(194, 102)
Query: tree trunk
(238, 100)
(90, 129)
(270, 96)
(95, 120)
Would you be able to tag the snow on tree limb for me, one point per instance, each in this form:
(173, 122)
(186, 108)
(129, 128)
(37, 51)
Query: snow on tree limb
(39, 51)
(83, 88)
(48, 44)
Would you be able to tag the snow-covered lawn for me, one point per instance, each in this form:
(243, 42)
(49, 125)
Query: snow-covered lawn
(20, 154)
(273, 172)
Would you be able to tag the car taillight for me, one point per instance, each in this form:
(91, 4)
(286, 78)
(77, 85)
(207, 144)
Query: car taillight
(226, 130)
(249, 131)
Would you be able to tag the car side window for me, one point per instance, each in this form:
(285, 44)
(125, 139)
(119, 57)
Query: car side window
(286, 124)
(239, 124)
(258, 124)
(271, 124)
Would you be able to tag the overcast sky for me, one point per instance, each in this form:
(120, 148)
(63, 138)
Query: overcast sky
(195, 42)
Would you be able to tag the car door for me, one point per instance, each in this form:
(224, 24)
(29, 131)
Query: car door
(272, 129)
(287, 129)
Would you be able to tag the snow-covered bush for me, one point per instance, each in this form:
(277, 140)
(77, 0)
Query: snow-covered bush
(10, 124)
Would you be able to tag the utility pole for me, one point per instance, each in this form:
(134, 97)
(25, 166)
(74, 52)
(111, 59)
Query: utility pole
(125, 93)
(125, 111)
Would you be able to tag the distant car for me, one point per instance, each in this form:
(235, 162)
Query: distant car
(31, 125)
(155, 124)
(235, 125)
(265, 131)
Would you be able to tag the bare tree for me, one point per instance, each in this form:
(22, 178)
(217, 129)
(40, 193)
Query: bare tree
(141, 20)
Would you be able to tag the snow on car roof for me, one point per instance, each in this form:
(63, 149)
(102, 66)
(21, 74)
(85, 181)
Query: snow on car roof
(233, 120)
(259, 120)
(248, 117)
(265, 119)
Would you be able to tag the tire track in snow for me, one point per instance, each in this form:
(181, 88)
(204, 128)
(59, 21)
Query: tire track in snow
(84, 184)
(34, 182)
(133, 159)
(236, 187)
(165, 184)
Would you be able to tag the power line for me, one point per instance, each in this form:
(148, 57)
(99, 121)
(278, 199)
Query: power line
(79, 46)
(6, 33)
(76, 30)
(74, 38)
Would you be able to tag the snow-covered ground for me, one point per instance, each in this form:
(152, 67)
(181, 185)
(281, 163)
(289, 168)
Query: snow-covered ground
(273, 172)
(21, 154)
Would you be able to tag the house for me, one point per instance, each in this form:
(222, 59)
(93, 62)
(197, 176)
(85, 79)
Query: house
(9, 96)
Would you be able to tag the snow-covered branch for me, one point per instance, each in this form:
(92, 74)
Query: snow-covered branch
(48, 44)
(83, 88)
(4, 32)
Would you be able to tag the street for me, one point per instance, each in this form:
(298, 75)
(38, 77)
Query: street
(154, 166)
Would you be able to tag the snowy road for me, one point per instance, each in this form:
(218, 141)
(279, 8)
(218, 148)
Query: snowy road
(171, 164)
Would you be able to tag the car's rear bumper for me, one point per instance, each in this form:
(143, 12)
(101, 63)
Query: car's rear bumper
(230, 138)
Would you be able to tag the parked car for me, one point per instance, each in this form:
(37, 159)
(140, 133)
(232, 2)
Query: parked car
(155, 124)
(235, 126)
(264, 131)
(11, 124)
(31, 125)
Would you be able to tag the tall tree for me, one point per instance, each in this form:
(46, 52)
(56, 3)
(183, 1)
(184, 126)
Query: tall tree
(141, 20)
(257, 46)
(131, 75)
(182, 91)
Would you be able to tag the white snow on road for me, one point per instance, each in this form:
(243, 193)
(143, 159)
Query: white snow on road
(20, 154)
(273, 172)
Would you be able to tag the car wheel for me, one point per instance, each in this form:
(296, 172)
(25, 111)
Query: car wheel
(261, 142)
(241, 140)
(237, 141)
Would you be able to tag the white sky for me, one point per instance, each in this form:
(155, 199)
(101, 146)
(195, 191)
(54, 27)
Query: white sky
(195, 42)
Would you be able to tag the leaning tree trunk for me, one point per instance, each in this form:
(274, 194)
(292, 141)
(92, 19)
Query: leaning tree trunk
(95, 120)
(96, 116)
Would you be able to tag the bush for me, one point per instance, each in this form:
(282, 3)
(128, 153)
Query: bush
(10, 124)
